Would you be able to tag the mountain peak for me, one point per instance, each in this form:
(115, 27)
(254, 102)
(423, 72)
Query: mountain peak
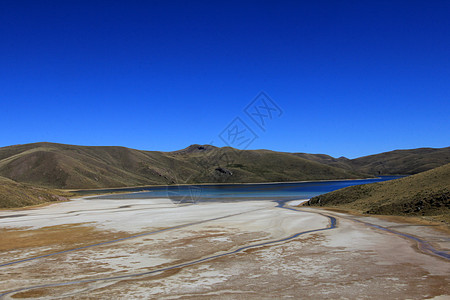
(195, 148)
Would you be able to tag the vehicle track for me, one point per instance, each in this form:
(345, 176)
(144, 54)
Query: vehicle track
(422, 245)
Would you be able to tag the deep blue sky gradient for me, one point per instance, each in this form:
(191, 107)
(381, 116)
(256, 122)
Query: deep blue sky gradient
(352, 77)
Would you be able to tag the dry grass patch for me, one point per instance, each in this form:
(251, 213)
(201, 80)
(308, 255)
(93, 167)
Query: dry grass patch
(60, 236)
(425, 195)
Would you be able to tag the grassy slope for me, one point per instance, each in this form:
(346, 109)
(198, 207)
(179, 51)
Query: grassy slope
(13, 194)
(398, 162)
(231, 165)
(341, 162)
(423, 194)
(66, 166)
(402, 161)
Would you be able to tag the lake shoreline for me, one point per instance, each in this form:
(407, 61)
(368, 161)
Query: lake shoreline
(101, 191)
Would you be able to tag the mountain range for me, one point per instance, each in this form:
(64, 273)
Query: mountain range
(40, 168)
(85, 167)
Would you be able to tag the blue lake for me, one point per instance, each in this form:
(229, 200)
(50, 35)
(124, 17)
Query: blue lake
(233, 192)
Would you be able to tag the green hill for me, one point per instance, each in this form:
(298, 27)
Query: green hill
(398, 162)
(423, 194)
(23, 168)
(403, 162)
(341, 162)
(13, 194)
(81, 167)
(66, 166)
(232, 165)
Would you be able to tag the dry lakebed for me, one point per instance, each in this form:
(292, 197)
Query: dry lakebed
(156, 249)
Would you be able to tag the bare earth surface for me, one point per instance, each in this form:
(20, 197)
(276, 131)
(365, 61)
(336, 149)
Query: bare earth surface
(152, 248)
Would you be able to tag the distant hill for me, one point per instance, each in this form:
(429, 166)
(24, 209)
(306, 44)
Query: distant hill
(66, 166)
(30, 172)
(231, 165)
(423, 194)
(402, 162)
(82, 167)
(398, 162)
(341, 162)
(13, 194)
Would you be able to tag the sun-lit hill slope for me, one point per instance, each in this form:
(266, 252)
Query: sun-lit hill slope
(13, 194)
(398, 162)
(402, 162)
(423, 194)
(341, 162)
(231, 165)
(77, 167)
(67, 166)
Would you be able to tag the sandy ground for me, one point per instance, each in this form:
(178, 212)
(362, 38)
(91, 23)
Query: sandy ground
(154, 249)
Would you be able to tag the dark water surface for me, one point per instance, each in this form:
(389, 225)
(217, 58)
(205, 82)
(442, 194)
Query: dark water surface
(224, 192)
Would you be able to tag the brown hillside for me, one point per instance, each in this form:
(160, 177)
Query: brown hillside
(13, 194)
(423, 194)
(79, 167)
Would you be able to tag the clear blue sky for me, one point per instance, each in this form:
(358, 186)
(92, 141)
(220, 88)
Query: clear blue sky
(352, 78)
